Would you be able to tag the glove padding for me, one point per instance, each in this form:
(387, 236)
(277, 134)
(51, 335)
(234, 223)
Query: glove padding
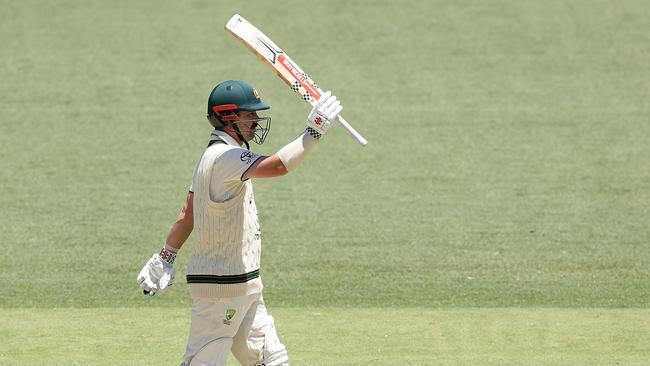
(324, 113)
(156, 275)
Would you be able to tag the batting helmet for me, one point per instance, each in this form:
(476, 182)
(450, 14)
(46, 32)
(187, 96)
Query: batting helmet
(234, 95)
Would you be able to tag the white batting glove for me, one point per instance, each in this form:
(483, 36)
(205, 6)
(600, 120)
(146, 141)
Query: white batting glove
(324, 113)
(158, 273)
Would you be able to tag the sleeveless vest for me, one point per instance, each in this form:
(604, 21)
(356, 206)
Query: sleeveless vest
(226, 255)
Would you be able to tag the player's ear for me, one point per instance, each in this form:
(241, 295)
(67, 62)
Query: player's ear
(214, 122)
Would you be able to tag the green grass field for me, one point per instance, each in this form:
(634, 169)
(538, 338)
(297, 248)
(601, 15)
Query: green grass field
(343, 336)
(499, 215)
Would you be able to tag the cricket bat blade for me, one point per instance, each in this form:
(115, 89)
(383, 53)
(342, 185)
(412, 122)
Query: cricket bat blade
(283, 66)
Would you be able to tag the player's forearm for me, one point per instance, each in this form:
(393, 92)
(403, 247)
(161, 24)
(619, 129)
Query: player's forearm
(183, 226)
(295, 152)
(180, 231)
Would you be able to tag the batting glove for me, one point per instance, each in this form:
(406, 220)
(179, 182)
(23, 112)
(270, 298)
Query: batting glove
(323, 114)
(158, 273)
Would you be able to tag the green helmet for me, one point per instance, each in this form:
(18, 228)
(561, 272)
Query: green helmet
(234, 95)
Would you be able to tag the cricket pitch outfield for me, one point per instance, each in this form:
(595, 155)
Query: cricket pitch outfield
(341, 336)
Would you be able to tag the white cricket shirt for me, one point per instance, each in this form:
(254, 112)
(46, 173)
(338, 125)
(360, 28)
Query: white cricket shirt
(226, 255)
(232, 163)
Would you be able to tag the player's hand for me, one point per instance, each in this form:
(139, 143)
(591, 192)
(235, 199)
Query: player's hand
(156, 275)
(324, 113)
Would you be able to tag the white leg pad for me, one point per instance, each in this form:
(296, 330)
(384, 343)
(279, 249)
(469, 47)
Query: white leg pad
(261, 345)
(274, 353)
(214, 353)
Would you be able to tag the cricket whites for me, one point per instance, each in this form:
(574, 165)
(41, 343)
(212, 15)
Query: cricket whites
(282, 64)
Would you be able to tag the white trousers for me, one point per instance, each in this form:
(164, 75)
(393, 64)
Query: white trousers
(239, 324)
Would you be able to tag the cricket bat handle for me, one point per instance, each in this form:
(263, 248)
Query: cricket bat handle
(352, 131)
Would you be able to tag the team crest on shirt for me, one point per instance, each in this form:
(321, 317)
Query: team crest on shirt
(247, 157)
(230, 313)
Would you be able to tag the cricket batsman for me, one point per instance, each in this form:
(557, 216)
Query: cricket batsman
(223, 273)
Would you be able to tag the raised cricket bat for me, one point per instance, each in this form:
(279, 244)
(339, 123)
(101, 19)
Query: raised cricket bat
(282, 64)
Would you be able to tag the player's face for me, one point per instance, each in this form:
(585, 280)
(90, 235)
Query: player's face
(247, 124)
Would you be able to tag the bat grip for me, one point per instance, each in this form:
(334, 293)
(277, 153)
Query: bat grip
(352, 131)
